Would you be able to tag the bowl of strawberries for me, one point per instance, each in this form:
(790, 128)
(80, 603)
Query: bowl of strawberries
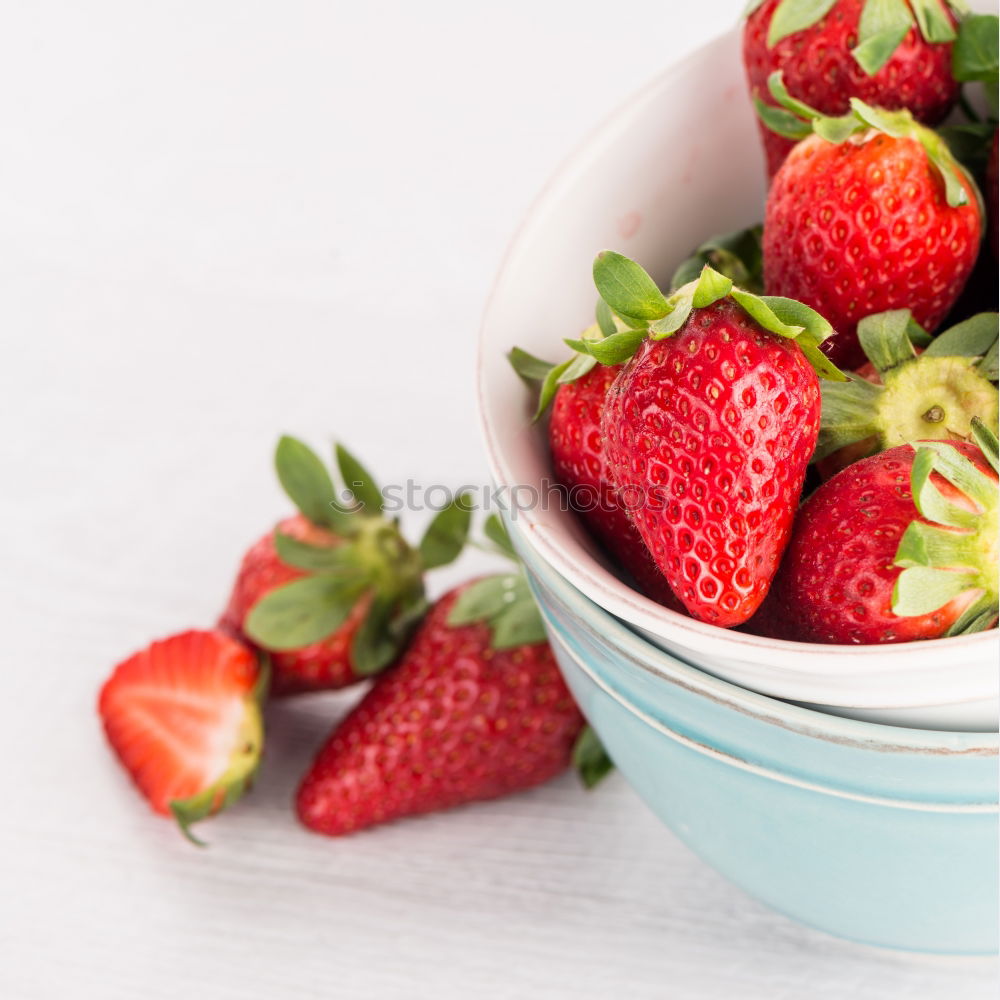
(753, 476)
(772, 453)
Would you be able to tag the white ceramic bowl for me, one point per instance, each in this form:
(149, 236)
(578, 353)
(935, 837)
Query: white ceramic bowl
(680, 162)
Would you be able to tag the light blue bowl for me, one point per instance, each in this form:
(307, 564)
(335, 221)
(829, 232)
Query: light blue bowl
(879, 834)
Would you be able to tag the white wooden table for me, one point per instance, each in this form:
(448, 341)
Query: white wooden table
(225, 220)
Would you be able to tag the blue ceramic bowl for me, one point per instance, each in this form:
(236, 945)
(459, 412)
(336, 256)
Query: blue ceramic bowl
(880, 834)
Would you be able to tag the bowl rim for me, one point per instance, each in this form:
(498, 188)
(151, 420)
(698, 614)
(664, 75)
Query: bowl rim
(609, 631)
(616, 596)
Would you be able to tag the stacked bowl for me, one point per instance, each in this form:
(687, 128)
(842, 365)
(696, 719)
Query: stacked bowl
(853, 788)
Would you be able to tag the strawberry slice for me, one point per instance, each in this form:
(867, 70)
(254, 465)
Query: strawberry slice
(184, 718)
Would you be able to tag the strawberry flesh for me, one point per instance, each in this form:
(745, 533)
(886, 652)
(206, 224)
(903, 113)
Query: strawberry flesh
(177, 714)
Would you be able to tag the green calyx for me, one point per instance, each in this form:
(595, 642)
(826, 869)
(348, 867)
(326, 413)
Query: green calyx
(881, 28)
(548, 376)
(503, 602)
(632, 295)
(794, 119)
(735, 255)
(243, 763)
(590, 759)
(954, 549)
(367, 559)
(933, 395)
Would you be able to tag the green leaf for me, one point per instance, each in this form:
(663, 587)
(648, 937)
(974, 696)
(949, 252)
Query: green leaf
(758, 307)
(359, 481)
(308, 485)
(518, 625)
(969, 143)
(506, 605)
(961, 473)
(484, 599)
(884, 339)
(925, 544)
(781, 122)
(971, 338)
(530, 368)
(927, 498)
(934, 23)
(447, 533)
(848, 414)
(791, 16)
(375, 645)
(711, 287)
(921, 590)
(577, 368)
(976, 52)
(496, 531)
(987, 442)
(549, 387)
(989, 367)
(590, 759)
(793, 314)
(605, 318)
(751, 6)
(736, 255)
(313, 558)
(919, 337)
(304, 611)
(978, 617)
(627, 288)
(681, 304)
(776, 85)
(613, 350)
(837, 130)
(882, 26)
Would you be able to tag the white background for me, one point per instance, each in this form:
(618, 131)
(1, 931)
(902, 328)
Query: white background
(218, 222)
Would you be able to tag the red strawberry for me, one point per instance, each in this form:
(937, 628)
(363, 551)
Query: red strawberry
(992, 179)
(902, 395)
(320, 665)
(882, 218)
(577, 446)
(475, 709)
(833, 51)
(899, 546)
(709, 428)
(183, 716)
(577, 390)
(333, 592)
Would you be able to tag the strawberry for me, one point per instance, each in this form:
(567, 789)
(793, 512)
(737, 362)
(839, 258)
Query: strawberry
(903, 396)
(870, 212)
(475, 709)
(897, 547)
(183, 716)
(577, 447)
(334, 591)
(709, 428)
(578, 390)
(895, 55)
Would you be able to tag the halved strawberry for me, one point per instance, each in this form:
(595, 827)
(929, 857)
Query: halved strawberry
(184, 718)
